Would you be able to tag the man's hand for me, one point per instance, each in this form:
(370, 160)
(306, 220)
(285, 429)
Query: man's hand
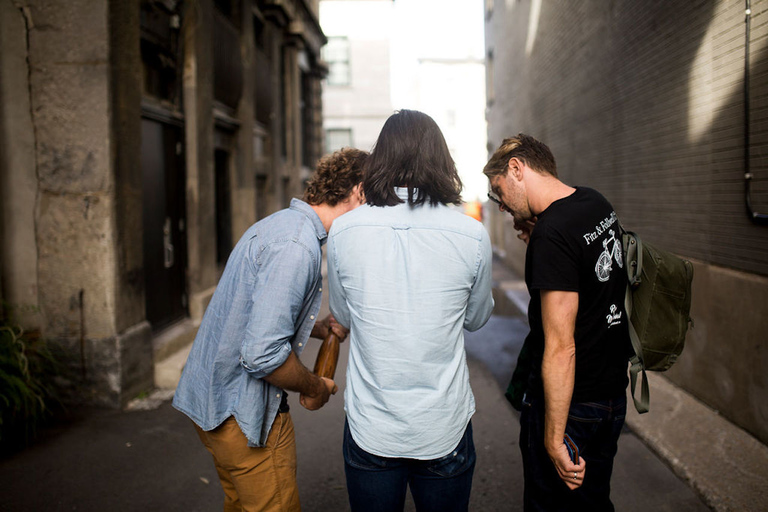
(326, 325)
(338, 329)
(319, 396)
(525, 228)
(570, 473)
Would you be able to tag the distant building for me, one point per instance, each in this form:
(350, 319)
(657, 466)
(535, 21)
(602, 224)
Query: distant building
(357, 93)
(384, 56)
(138, 141)
(649, 102)
(439, 69)
(452, 91)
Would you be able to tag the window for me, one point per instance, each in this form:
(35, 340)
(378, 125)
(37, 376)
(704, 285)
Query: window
(160, 51)
(308, 126)
(490, 94)
(337, 138)
(336, 54)
(263, 95)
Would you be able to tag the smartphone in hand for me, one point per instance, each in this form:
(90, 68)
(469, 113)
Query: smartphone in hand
(573, 450)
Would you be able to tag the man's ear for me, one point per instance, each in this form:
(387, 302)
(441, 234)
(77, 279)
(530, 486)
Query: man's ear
(515, 168)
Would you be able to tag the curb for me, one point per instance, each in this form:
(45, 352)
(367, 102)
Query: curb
(725, 465)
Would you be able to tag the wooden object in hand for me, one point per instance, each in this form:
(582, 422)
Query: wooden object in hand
(328, 356)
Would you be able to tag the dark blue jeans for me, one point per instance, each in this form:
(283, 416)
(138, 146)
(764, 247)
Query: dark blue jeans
(378, 484)
(595, 428)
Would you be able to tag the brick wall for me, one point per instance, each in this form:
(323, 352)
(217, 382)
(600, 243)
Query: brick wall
(645, 102)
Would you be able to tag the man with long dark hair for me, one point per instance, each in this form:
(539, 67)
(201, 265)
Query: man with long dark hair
(245, 355)
(407, 274)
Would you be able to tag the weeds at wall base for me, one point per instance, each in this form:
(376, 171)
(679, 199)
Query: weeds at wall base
(28, 397)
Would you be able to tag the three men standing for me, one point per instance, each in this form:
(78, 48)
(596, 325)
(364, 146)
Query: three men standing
(579, 343)
(407, 275)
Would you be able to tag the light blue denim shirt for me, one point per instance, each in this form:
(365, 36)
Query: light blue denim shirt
(264, 306)
(407, 281)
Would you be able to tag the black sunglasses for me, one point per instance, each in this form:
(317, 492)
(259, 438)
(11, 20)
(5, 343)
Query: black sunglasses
(495, 200)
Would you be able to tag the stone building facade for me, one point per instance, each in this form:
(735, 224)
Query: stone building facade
(138, 140)
(649, 102)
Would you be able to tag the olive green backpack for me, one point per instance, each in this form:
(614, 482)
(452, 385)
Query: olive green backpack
(658, 303)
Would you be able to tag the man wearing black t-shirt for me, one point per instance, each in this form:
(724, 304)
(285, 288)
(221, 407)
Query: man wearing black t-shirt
(579, 342)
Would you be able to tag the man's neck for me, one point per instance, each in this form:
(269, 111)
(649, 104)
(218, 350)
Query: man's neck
(327, 214)
(548, 189)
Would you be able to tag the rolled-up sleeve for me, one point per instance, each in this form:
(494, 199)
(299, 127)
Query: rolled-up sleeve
(480, 305)
(284, 277)
(337, 298)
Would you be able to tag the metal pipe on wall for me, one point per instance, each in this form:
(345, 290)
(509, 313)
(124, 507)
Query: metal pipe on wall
(757, 218)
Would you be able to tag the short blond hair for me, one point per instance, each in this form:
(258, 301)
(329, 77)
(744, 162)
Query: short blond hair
(533, 153)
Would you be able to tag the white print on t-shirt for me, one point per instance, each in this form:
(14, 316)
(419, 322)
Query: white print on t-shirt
(600, 229)
(614, 317)
(604, 263)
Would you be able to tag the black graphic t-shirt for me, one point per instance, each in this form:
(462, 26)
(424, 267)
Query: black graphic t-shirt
(576, 246)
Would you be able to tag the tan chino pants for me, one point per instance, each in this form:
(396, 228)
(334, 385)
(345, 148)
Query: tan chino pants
(255, 479)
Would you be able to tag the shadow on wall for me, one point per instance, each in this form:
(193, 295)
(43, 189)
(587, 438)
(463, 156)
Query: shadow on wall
(646, 104)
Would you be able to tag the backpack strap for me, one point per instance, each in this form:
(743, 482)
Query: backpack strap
(633, 252)
(637, 366)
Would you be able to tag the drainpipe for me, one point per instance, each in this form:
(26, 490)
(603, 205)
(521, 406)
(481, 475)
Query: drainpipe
(757, 218)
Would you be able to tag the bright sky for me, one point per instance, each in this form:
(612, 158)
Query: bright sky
(444, 30)
(424, 36)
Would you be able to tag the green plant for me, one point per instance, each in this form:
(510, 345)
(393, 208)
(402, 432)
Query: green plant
(26, 376)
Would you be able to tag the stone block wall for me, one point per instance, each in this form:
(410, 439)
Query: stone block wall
(64, 182)
(74, 91)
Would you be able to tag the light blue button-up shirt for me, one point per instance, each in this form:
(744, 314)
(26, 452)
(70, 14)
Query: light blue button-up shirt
(264, 306)
(407, 281)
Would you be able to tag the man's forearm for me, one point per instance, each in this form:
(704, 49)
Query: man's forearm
(558, 365)
(557, 371)
(319, 330)
(294, 376)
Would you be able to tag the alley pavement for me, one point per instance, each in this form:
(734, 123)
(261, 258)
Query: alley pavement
(148, 457)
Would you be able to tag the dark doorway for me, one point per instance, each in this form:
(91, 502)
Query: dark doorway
(223, 207)
(164, 216)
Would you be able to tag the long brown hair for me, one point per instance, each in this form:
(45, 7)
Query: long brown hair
(411, 152)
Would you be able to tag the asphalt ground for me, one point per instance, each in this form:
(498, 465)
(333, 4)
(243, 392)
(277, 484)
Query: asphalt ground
(151, 460)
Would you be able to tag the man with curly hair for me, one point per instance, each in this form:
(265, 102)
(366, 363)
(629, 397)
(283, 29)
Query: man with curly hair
(245, 355)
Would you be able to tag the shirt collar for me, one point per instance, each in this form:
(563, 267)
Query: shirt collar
(402, 193)
(301, 206)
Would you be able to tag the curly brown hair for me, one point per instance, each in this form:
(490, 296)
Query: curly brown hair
(335, 177)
